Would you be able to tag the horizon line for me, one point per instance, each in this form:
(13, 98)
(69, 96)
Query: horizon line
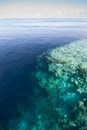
(46, 18)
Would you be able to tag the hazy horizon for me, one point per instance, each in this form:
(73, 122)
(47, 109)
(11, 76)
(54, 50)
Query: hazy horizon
(40, 9)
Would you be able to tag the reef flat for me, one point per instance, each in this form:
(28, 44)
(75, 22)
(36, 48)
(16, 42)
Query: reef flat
(62, 72)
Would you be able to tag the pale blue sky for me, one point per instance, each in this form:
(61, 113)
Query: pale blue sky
(83, 2)
(43, 8)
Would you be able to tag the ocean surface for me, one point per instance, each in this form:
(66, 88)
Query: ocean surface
(21, 42)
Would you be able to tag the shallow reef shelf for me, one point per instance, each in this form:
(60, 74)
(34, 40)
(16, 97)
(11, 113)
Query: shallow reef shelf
(63, 73)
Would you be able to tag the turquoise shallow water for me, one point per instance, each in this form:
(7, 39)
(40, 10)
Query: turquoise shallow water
(21, 43)
(62, 72)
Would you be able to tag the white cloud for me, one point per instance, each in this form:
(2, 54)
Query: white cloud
(40, 10)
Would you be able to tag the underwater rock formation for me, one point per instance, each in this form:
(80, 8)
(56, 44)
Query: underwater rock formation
(63, 73)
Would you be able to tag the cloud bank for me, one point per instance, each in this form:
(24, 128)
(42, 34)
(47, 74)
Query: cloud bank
(41, 10)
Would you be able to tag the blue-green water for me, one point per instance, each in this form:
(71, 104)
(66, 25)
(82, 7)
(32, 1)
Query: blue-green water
(21, 42)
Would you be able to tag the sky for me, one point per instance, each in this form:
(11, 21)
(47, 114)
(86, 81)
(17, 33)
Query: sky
(43, 8)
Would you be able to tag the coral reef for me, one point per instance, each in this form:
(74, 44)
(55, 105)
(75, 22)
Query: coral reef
(25, 119)
(63, 73)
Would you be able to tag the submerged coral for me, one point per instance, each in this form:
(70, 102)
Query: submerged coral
(60, 101)
(63, 73)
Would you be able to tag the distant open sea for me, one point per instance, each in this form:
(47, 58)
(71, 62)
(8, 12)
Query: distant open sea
(21, 42)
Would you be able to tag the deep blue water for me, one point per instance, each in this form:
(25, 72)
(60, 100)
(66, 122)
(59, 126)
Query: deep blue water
(21, 41)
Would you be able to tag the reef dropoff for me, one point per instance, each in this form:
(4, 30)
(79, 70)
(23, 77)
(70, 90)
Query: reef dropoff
(62, 72)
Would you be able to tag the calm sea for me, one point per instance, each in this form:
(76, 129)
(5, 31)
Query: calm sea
(21, 41)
